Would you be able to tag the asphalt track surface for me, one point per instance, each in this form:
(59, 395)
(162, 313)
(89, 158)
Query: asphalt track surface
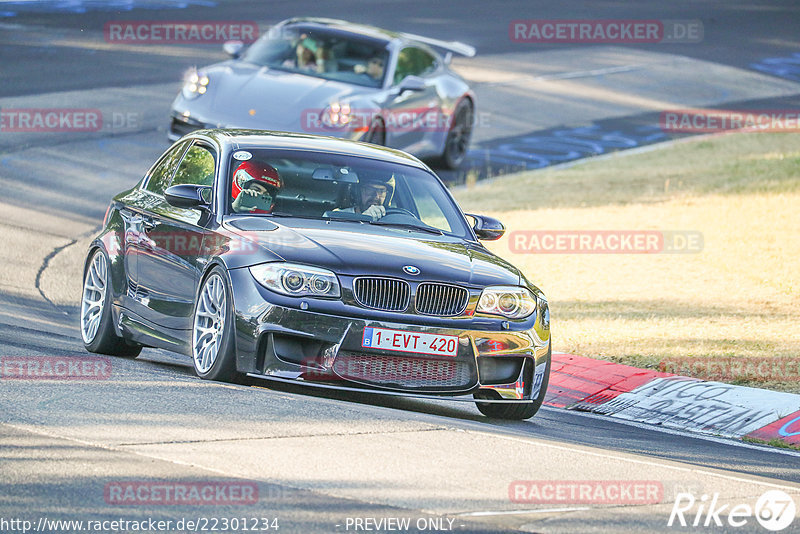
(317, 458)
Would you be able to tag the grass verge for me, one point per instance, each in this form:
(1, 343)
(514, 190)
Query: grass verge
(772, 443)
(736, 299)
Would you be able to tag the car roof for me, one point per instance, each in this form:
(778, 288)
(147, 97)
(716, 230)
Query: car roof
(237, 139)
(349, 27)
(374, 32)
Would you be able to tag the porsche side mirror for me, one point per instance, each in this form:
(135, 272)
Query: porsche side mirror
(487, 228)
(188, 196)
(233, 48)
(411, 83)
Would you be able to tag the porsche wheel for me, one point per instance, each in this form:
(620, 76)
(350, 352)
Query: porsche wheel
(213, 354)
(97, 329)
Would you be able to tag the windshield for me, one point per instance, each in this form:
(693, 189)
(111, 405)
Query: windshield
(325, 54)
(345, 188)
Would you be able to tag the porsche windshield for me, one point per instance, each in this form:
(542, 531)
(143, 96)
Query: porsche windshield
(325, 54)
(329, 186)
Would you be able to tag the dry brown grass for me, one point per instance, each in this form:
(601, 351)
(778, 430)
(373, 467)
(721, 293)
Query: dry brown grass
(739, 297)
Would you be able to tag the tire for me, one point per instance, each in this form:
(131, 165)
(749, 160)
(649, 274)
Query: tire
(212, 345)
(96, 321)
(516, 412)
(456, 144)
(377, 133)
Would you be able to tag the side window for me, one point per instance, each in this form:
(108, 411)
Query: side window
(197, 167)
(162, 174)
(413, 61)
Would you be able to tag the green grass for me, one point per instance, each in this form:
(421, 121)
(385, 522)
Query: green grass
(738, 298)
(731, 164)
(773, 443)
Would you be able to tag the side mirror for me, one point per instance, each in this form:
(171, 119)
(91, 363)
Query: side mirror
(487, 228)
(411, 83)
(188, 196)
(233, 48)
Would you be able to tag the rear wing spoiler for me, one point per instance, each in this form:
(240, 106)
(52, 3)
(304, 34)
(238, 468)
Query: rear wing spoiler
(451, 46)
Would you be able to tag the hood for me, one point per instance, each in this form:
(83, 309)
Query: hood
(243, 95)
(353, 249)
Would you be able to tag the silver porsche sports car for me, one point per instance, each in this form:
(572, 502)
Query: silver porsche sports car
(330, 77)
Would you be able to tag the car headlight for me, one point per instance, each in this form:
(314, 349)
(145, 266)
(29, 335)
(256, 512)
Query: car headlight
(544, 308)
(509, 301)
(194, 85)
(296, 280)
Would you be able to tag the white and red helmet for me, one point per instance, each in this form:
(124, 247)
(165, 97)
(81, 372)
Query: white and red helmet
(251, 171)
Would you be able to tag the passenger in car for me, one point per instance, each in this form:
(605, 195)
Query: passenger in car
(312, 56)
(255, 186)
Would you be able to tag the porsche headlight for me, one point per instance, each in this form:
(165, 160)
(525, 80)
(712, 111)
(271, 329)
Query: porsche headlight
(296, 280)
(512, 302)
(194, 85)
(337, 115)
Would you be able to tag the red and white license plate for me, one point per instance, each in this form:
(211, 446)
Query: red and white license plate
(405, 341)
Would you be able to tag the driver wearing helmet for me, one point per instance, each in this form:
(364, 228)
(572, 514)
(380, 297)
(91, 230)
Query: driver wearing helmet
(255, 186)
(371, 197)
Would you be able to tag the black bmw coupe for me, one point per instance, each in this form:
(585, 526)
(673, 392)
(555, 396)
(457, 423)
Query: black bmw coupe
(316, 261)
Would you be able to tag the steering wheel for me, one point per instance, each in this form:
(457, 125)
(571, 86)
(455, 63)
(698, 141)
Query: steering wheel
(399, 211)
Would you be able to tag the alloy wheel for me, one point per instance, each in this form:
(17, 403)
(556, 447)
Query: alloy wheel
(94, 296)
(209, 323)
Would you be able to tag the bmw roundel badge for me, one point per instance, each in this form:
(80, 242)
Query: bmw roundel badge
(410, 269)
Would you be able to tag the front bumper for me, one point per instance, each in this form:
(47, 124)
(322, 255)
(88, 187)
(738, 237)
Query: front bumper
(180, 125)
(277, 339)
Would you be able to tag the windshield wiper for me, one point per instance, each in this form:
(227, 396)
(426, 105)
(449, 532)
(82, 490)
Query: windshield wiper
(292, 215)
(428, 229)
